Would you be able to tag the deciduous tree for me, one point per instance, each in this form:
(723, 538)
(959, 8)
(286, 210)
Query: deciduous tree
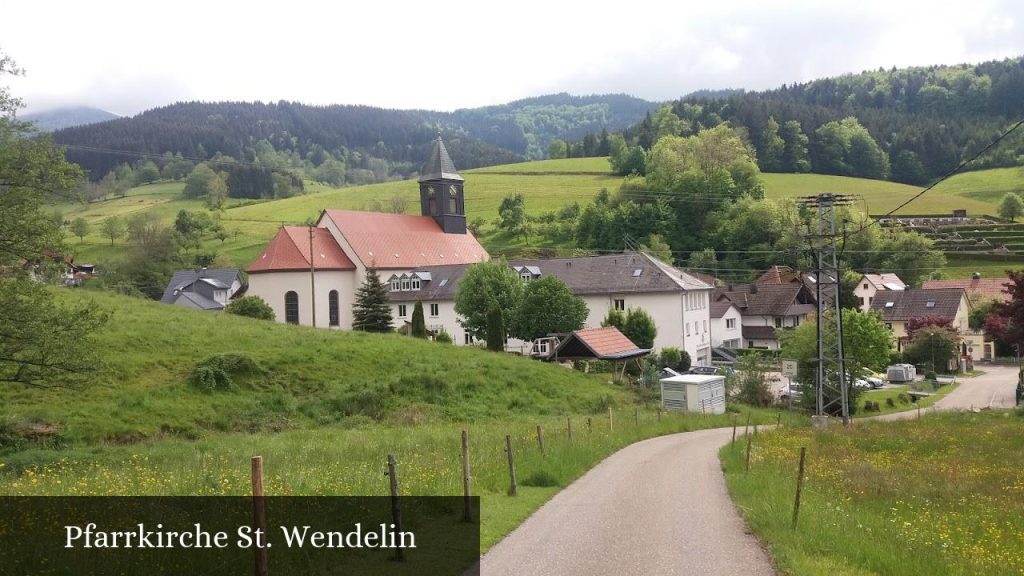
(113, 228)
(548, 306)
(1011, 207)
(483, 283)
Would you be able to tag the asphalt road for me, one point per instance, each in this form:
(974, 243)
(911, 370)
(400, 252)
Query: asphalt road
(660, 507)
(657, 507)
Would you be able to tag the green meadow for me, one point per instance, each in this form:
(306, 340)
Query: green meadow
(323, 408)
(936, 495)
(547, 186)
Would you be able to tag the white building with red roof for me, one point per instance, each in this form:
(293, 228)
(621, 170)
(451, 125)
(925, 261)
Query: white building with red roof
(319, 268)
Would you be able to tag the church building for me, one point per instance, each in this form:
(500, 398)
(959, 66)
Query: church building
(310, 275)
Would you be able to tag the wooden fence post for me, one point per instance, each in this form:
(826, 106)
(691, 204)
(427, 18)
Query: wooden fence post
(746, 428)
(799, 485)
(636, 416)
(568, 427)
(590, 425)
(540, 440)
(733, 432)
(746, 467)
(467, 514)
(513, 488)
(778, 420)
(396, 510)
(259, 513)
(611, 423)
(659, 415)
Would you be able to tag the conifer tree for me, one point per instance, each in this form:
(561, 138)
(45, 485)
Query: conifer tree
(419, 326)
(371, 311)
(495, 328)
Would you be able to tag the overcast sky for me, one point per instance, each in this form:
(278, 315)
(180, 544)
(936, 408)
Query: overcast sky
(126, 57)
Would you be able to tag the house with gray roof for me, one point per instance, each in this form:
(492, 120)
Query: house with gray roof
(897, 307)
(767, 307)
(678, 302)
(204, 289)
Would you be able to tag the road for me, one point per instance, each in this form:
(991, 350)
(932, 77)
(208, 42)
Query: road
(993, 389)
(661, 507)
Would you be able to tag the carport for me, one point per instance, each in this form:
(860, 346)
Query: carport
(605, 343)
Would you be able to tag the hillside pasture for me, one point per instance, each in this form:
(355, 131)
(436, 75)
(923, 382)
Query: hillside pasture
(547, 186)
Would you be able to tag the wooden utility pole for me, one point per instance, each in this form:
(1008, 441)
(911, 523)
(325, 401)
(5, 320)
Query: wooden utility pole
(467, 515)
(396, 509)
(513, 487)
(259, 513)
(312, 275)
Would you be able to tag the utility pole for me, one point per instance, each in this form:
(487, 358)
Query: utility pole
(832, 390)
(312, 275)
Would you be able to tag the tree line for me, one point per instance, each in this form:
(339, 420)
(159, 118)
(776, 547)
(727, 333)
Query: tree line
(908, 125)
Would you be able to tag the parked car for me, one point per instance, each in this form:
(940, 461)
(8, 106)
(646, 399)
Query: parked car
(706, 370)
(794, 391)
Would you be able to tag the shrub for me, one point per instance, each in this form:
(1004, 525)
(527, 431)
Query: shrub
(218, 372)
(251, 307)
(542, 479)
(671, 357)
(890, 403)
(443, 337)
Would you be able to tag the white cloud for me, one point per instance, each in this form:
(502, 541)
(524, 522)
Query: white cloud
(128, 56)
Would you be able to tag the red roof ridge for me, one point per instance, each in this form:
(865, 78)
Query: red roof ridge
(289, 250)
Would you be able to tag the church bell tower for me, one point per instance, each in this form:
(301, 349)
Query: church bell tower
(441, 195)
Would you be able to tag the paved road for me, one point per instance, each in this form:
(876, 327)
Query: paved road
(661, 507)
(994, 389)
(657, 507)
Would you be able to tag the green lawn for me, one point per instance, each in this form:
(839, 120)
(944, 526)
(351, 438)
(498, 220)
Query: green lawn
(900, 399)
(939, 495)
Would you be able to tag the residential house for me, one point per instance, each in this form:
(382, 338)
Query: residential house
(310, 275)
(726, 324)
(870, 284)
(765, 308)
(678, 302)
(978, 290)
(897, 307)
(204, 289)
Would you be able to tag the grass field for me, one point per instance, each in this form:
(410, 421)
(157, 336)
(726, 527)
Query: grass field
(939, 495)
(310, 378)
(547, 186)
(324, 412)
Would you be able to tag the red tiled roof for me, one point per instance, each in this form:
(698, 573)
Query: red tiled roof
(880, 280)
(778, 275)
(985, 287)
(395, 241)
(606, 342)
(289, 250)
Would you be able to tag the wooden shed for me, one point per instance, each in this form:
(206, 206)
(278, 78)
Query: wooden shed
(605, 343)
(694, 393)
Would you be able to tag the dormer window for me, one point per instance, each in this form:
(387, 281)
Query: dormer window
(525, 276)
(415, 283)
(405, 283)
(396, 284)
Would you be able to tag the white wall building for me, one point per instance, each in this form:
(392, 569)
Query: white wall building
(871, 284)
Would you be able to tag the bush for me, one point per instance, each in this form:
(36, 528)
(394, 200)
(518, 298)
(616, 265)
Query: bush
(443, 337)
(251, 307)
(541, 479)
(218, 372)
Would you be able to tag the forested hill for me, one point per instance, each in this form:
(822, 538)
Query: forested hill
(374, 140)
(528, 126)
(378, 143)
(925, 120)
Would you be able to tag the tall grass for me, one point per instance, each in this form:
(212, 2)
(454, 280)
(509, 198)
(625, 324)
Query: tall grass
(336, 461)
(939, 495)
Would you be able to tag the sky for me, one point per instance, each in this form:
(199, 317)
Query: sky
(126, 57)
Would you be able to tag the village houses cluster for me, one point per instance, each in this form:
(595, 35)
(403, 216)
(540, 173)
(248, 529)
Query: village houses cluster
(306, 271)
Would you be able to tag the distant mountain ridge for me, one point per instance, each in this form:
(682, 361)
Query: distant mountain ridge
(478, 136)
(68, 116)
